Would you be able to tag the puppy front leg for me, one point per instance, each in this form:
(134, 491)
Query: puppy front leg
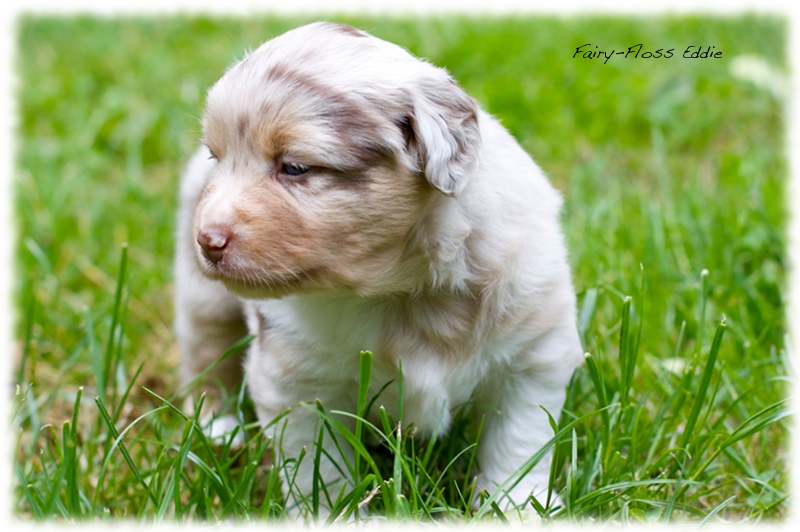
(208, 318)
(517, 427)
(208, 321)
(326, 466)
(284, 399)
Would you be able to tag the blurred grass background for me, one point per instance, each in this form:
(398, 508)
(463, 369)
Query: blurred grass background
(668, 167)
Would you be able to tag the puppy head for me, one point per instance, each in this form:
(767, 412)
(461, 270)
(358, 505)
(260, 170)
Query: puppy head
(331, 150)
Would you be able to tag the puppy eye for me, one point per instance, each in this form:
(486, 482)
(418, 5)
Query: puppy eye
(294, 169)
(212, 155)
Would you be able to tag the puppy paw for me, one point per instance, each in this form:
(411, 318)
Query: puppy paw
(518, 503)
(219, 430)
(522, 517)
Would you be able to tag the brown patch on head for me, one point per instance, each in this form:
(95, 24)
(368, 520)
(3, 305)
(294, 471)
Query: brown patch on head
(348, 182)
(242, 124)
(322, 123)
(277, 71)
(346, 29)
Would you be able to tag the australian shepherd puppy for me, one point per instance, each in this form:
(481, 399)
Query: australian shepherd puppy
(351, 197)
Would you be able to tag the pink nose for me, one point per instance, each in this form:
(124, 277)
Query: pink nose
(213, 242)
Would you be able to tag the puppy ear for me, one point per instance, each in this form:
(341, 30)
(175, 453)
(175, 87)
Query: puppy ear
(441, 133)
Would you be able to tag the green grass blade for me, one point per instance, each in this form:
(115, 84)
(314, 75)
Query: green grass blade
(498, 513)
(124, 399)
(600, 391)
(701, 318)
(315, 486)
(588, 308)
(626, 357)
(131, 463)
(115, 316)
(365, 376)
(717, 509)
(71, 445)
(183, 453)
(700, 396)
(344, 505)
(34, 500)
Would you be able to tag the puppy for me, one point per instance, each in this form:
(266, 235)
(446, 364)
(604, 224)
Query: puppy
(351, 197)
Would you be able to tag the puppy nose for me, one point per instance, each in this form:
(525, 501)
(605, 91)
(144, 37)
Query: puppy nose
(213, 242)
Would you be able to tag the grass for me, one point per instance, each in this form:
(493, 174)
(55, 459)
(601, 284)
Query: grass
(673, 173)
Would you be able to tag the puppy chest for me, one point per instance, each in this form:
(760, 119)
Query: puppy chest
(310, 350)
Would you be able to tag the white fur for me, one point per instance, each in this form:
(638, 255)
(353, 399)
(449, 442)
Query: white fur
(490, 280)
